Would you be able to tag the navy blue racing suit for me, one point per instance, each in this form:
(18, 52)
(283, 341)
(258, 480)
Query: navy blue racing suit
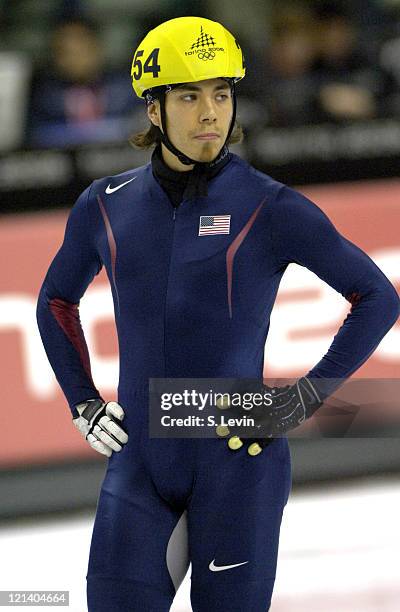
(193, 303)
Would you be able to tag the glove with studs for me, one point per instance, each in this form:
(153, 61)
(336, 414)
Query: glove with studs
(290, 406)
(98, 422)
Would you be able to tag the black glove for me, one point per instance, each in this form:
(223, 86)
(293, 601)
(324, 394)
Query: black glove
(291, 406)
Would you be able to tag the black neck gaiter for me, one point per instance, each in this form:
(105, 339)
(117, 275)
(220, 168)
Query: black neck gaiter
(192, 183)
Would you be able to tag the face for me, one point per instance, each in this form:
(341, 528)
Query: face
(291, 54)
(198, 120)
(338, 37)
(76, 53)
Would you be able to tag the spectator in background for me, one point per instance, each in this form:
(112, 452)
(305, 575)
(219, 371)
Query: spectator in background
(350, 85)
(390, 63)
(289, 83)
(75, 100)
(14, 86)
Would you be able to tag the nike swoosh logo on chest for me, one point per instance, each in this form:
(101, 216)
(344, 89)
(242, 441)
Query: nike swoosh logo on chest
(110, 189)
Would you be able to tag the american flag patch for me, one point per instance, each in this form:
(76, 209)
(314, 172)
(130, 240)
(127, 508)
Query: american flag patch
(215, 224)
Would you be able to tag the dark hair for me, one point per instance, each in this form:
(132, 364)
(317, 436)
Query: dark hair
(84, 22)
(150, 137)
(328, 10)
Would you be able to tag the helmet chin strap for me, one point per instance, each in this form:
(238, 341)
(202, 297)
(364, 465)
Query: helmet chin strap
(184, 159)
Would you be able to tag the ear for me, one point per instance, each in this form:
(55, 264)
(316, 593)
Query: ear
(153, 113)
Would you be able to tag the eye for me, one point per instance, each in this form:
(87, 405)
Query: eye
(188, 97)
(223, 96)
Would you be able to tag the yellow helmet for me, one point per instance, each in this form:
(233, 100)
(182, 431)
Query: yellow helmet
(184, 50)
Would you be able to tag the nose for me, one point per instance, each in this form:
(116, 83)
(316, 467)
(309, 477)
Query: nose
(207, 111)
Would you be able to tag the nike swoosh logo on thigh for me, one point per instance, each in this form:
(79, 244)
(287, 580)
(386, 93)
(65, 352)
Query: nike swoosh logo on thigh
(220, 568)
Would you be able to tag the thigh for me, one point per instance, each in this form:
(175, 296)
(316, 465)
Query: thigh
(138, 552)
(234, 524)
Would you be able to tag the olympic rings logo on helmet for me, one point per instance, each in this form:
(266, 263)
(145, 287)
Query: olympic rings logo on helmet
(206, 55)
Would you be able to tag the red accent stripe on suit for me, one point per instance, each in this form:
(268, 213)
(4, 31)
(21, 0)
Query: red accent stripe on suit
(231, 252)
(67, 316)
(111, 243)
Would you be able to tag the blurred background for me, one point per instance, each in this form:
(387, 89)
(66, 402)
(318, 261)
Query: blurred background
(320, 107)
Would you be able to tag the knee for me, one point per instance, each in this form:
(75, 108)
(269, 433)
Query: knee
(239, 597)
(106, 594)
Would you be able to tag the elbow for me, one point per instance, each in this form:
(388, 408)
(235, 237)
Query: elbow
(391, 305)
(42, 303)
(40, 308)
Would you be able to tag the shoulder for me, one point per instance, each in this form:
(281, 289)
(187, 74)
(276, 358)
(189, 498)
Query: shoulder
(293, 214)
(110, 184)
(242, 167)
(249, 182)
(280, 199)
(292, 206)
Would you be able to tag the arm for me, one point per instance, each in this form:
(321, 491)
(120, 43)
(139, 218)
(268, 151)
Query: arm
(302, 233)
(70, 273)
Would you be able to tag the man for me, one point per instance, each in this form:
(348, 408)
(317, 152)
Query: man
(194, 303)
(74, 97)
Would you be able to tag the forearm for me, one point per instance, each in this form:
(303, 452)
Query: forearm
(65, 345)
(375, 309)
